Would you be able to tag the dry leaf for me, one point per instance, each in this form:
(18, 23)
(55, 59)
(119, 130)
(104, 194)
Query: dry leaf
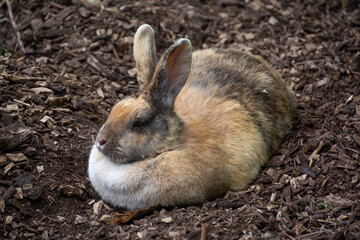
(123, 218)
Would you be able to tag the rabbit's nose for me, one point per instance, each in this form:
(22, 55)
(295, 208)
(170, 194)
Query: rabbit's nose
(103, 137)
(102, 142)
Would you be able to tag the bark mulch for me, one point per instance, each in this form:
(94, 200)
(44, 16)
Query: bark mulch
(78, 63)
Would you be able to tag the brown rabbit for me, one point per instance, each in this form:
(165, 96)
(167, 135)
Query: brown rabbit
(202, 123)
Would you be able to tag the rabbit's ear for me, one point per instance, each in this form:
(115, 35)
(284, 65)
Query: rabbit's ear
(174, 71)
(144, 54)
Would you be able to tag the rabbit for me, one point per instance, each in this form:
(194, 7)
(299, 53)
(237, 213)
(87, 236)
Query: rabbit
(201, 124)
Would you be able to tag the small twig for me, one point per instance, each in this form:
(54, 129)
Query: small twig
(297, 227)
(137, 4)
(21, 45)
(60, 75)
(203, 231)
(303, 62)
(94, 115)
(315, 153)
(21, 102)
(21, 79)
(57, 5)
(353, 150)
(287, 235)
(62, 110)
(115, 52)
(310, 235)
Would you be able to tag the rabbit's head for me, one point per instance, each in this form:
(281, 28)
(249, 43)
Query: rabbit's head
(145, 124)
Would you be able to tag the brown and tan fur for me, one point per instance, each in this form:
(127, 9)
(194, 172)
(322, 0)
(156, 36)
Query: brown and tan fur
(208, 121)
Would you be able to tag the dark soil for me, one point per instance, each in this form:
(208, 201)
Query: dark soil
(54, 98)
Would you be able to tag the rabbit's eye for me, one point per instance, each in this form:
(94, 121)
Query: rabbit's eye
(137, 124)
(140, 123)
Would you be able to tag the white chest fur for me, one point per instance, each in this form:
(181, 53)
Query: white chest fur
(123, 185)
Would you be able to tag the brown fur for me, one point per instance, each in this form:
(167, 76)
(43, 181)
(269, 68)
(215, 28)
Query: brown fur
(210, 122)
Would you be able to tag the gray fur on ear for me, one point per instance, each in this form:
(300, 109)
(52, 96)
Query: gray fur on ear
(144, 54)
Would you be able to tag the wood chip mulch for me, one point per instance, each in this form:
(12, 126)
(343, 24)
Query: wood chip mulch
(78, 63)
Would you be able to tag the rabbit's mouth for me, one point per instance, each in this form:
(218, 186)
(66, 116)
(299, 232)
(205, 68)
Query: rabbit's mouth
(114, 156)
(120, 157)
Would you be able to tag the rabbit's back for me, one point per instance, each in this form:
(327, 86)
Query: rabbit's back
(247, 82)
